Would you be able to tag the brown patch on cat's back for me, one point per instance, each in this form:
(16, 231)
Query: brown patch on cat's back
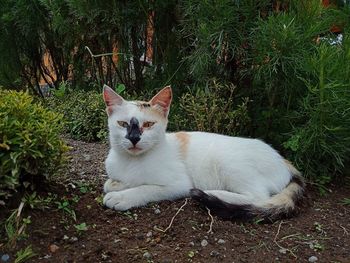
(183, 138)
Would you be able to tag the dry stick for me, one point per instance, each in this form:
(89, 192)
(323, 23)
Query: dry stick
(211, 222)
(344, 229)
(276, 242)
(172, 220)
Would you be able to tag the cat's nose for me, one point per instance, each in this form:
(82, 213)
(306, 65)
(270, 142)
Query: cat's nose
(134, 139)
(133, 131)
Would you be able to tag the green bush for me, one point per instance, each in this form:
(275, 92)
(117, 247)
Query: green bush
(211, 110)
(30, 146)
(84, 113)
(320, 144)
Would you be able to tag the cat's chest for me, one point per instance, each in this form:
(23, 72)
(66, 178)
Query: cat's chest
(142, 171)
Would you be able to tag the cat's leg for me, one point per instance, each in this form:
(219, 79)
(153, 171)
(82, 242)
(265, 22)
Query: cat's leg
(141, 195)
(113, 185)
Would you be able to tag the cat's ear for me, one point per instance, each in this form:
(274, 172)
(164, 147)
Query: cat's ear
(163, 100)
(111, 98)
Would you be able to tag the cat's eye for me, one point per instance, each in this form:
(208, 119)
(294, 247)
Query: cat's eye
(123, 124)
(148, 124)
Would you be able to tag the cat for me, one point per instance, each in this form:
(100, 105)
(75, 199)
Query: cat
(236, 178)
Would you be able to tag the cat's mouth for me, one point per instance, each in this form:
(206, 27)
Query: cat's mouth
(134, 149)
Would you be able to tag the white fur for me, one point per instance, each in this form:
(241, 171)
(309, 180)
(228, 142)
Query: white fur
(237, 170)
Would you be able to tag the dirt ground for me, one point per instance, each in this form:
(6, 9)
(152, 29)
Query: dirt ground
(75, 227)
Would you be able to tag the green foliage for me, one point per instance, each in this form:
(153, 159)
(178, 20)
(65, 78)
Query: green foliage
(66, 207)
(280, 44)
(214, 110)
(63, 29)
(81, 227)
(321, 142)
(216, 33)
(345, 201)
(30, 146)
(24, 254)
(15, 226)
(84, 114)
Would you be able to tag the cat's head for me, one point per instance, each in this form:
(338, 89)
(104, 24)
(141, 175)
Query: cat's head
(137, 126)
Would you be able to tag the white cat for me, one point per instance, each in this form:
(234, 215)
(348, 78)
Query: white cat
(234, 177)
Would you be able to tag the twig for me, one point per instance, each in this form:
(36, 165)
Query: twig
(211, 221)
(281, 247)
(172, 220)
(289, 236)
(344, 229)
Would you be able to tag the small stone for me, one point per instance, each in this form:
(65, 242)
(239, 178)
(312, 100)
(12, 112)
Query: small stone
(157, 211)
(191, 244)
(204, 243)
(149, 234)
(47, 256)
(147, 255)
(53, 248)
(87, 157)
(283, 251)
(5, 258)
(221, 241)
(65, 237)
(124, 229)
(312, 259)
(73, 239)
(214, 253)
(117, 240)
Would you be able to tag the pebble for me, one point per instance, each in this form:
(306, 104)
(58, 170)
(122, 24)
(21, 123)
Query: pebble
(221, 241)
(157, 211)
(5, 258)
(312, 259)
(214, 253)
(65, 237)
(283, 251)
(147, 255)
(149, 234)
(204, 243)
(87, 157)
(73, 239)
(191, 244)
(53, 248)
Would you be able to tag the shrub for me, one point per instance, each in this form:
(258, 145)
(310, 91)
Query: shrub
(30, 147)
(211, 110)
(84, 114)
(320, 144)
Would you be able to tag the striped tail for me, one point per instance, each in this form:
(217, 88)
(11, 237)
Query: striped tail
(285, 204)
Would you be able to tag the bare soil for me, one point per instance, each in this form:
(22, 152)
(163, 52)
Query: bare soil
(320, 234)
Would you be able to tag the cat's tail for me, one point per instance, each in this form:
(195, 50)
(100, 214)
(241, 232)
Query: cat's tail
(285, 204)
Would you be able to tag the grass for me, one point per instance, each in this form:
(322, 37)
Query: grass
(345, 201)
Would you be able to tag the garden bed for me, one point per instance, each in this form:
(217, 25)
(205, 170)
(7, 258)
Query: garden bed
(84, 231)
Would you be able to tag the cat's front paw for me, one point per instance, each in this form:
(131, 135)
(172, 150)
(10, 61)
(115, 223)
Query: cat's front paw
(117, 201)
(113, 185)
